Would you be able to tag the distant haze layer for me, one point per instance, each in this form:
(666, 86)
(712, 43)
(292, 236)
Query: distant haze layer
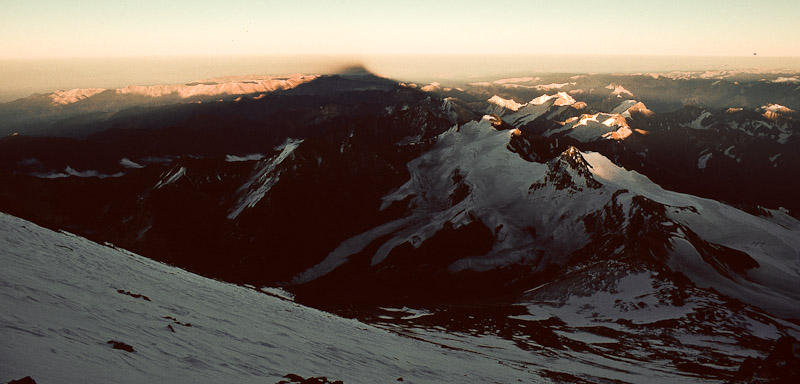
(21, 78)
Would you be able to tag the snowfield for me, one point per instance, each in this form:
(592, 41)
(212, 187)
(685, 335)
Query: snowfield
(65, 300)
(61, 306)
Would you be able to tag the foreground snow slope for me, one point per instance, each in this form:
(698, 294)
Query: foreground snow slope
(60, 305)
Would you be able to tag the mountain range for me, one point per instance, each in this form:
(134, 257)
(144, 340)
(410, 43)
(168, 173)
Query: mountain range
(644, 225)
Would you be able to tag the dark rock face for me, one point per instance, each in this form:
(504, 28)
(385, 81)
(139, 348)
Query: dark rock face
(134, 295)
(24, 380)
(782, 365)
(293, 378)
(569, 172)
(121, 346)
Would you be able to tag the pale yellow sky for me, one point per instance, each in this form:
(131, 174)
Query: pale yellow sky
(98, 28)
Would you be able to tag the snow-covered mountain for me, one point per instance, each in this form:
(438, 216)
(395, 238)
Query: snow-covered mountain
(537, 214)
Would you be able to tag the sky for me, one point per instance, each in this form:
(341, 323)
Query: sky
(35, 29)
(66, 44)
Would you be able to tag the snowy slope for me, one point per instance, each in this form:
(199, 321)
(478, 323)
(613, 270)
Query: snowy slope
(603, 322)
(61, 305)
(64, 298)
(773, 244)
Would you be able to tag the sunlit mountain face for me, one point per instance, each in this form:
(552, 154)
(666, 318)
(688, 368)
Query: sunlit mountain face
(572, 227)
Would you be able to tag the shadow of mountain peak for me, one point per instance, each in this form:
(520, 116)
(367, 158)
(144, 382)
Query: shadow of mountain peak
(355, 70)
(355, 77)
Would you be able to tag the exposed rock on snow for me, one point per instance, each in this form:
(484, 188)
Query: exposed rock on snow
(24, 380)
(591, 127)
(626, 107)
(241, 85)
(121, 346)
(774, 111)
(73, 95)
(619, 91)
(569, 172)
(781, 366)
(507, 104)
(561, 98)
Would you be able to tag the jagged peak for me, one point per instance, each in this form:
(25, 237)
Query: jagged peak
(561, 98)
(639, 107)
(509, 104)
(568, 172)
(574, 158)
(775, 111)
(618, 90)
(626, 107)
(777, 108)
(492, 118)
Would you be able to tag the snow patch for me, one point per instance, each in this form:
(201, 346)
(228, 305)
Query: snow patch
(702, 161)
(234, 85)
(618, 90)
(263, 178)
(548, 87)
(171, 177)
(624, 106)
(69, 171)
(515, 80)
(278, 292)
(128, 163)
(561, 98)
(434, 86)
(73, 95)
(251, 157)
(698, 122)
(591, 127)
(509, 104)
(407, 313)
(793, 79)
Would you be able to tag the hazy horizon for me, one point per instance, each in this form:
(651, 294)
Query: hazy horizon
(70, 44)
(24, 77)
